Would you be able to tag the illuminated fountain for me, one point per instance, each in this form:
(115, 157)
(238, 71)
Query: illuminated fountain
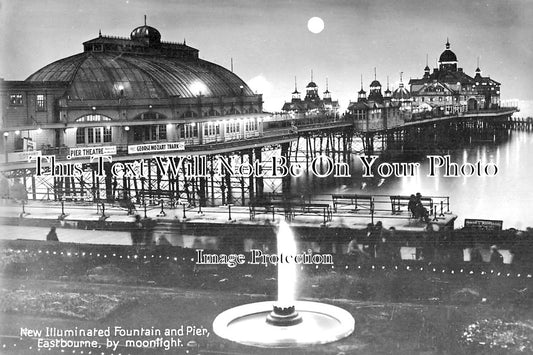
(285, 322)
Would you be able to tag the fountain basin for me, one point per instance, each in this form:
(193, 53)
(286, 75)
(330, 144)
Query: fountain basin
(321, 323)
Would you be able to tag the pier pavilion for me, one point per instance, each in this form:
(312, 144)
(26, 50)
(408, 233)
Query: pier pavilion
(123, 97)
(312, 103)
(449, 90)
(122, 91)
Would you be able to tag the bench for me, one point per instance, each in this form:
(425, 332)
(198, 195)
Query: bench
(398, 202)
(270, 206)
(289, 208)
(358, 201)
(155, 197)
(322, 209)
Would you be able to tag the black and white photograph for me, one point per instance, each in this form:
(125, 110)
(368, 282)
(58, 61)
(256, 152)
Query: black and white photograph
(266, 177)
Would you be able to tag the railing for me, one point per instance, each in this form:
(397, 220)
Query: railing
(350, 205)
(270, 135)
(322, 208)
(279, 127)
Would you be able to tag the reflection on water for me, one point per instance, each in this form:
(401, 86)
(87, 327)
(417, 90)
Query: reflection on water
(506, 196)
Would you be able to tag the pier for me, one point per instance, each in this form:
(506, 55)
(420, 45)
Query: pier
(297, 138)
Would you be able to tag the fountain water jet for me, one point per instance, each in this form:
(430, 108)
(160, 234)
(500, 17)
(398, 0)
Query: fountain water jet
(286, 322)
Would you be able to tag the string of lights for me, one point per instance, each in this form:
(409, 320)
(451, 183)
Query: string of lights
(429, 267)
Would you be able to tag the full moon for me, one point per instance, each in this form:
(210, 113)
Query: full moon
(315, 24)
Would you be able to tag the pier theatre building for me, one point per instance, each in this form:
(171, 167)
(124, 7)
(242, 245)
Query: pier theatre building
(127, 98)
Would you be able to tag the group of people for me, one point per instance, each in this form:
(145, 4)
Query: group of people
(377, 243)
(496, 258)
(416, 208)
(381, 244)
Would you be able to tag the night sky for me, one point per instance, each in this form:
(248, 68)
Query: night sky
(270, 43)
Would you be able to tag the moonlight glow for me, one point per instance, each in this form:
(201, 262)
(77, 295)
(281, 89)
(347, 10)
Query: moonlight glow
(315, 24)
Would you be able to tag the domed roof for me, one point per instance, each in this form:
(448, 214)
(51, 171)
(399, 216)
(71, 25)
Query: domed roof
(311, 85)
(375, 83)
(448, 55)
(146, 33)
(102, 75)
(401, 93)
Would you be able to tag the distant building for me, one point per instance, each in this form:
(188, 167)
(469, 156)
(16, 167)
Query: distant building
(448, 90)
(312, 103)
(378, 112)
(136, 95)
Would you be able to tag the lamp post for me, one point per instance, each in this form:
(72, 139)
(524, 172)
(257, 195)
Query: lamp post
(6, 134)
(127, 134)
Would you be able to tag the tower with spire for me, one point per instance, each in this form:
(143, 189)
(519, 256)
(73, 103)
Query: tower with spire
(426, 69)
(361, 95)
(448, 59)
(311, 91)
(296, 93)
(377, 112)
(375, 90)
(312, 101)
(478, 71)
(327, 93)
(402, 97)
(388, 93)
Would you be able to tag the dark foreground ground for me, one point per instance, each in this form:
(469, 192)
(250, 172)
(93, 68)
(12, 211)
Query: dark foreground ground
(399, 308)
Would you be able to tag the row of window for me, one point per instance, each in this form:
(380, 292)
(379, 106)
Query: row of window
(432, 99)
(213, 112)
(40, 105)
(91, 135)
(213, 129)
(167, 50)
(373, 114)
(94, 135)
(18, 100)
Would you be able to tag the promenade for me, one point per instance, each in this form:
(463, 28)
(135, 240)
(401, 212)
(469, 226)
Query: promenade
(35, 219)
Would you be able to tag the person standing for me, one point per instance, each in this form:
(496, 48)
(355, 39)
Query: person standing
(137, 232)
(496, 258)
(52, 235)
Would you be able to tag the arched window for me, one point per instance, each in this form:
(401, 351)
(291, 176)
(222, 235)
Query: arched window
(93, 118)
(189, 114)
(213, 112)
(150, 115)
(233, 111)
